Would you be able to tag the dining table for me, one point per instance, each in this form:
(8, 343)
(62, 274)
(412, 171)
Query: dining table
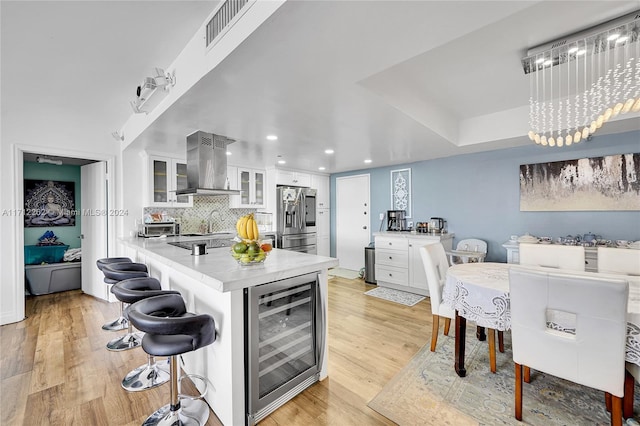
(479, 292)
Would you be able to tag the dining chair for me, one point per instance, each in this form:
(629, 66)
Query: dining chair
(468, 244)
(552, 256)
(618, 261)
(434, 260)
(591, 354)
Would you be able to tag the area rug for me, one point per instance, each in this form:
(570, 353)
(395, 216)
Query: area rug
(343, 273)
(428, 391)
(392, 295)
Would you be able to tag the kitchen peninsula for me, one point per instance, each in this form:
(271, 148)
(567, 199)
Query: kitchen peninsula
(216, 284)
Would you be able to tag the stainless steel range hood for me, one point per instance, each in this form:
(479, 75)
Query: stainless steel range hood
(207, 165)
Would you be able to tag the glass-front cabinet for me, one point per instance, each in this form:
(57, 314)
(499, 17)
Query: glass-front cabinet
(166, 176)
(252, 184)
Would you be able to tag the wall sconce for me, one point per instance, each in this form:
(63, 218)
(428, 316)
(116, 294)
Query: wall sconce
(48, 161)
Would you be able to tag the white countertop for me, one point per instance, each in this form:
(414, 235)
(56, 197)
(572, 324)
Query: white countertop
(411, 234)
(219, 270)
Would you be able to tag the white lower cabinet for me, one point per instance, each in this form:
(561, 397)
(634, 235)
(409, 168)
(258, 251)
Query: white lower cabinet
(398, 261)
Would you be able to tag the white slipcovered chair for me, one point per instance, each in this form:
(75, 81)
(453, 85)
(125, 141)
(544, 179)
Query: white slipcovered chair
(434, 259)
(594, 355)
(469, 244)
(613, 260)
(552, 256)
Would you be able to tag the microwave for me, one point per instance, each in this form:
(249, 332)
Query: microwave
(156, 229)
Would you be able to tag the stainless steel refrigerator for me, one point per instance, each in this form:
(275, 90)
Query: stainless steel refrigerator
(296, 219)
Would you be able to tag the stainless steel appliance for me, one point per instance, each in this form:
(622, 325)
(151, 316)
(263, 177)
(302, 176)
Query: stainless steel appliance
(284, 341)
(396, 220)
(437, 225)
(207, 165)
(156, 229)
(296, 219)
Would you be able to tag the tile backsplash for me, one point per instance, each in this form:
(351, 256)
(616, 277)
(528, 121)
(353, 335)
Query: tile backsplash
(195, 219)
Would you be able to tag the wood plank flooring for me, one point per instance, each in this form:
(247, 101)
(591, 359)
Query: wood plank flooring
(55, 369)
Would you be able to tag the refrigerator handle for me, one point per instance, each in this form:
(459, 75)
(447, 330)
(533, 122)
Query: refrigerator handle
(303, 210)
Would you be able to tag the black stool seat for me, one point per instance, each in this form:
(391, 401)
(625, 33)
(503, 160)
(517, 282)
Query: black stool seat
(136, 289)
(116, 272)
(107, 260)
(171, 331)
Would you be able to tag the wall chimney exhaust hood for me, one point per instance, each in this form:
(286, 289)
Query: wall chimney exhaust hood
(207, 165)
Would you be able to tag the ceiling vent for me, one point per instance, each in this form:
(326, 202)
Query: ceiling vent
(228, 13)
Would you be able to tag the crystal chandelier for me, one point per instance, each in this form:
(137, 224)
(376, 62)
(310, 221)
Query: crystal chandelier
(582, 81)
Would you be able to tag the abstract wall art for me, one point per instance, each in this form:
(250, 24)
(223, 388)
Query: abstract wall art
(586, 184)
(401, 190)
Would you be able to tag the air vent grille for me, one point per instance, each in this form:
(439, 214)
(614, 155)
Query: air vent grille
(223, 17)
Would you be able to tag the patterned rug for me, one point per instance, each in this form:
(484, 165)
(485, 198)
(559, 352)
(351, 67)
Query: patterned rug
(428, 391)
(402, 297)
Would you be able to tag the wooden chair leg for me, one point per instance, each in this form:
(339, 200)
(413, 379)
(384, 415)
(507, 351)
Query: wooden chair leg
(527, 374)
(492, 349)
(447, 326)
(607, 401)
(518, 392)
(616, 411)
(434, 332)
(501, 341)
(627, 400)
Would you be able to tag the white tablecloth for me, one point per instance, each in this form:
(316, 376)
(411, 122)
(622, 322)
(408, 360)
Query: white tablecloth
(480, 293)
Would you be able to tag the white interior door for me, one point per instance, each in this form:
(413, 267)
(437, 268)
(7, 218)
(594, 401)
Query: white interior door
(93, 220)
(352, 220)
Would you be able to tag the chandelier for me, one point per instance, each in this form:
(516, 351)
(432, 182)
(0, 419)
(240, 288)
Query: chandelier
(580, 82)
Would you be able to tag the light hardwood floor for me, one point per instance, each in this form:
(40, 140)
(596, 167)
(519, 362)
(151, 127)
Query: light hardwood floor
(55, 369)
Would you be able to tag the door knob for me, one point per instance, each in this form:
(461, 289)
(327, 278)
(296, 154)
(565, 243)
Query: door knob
(364, 227)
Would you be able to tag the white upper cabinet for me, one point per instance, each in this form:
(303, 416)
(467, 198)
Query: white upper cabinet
(289, 177)
(321, 184)
(166, 175)
(252, 186)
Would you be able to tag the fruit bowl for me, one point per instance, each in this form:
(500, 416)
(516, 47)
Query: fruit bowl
(250, 252)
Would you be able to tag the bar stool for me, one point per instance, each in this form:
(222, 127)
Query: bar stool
(148, 375)
(120, 323)
(117, 272)
(171, 331)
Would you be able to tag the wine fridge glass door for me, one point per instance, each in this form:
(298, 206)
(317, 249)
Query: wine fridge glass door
(282, 342)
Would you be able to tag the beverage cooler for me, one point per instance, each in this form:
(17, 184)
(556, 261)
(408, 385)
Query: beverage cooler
(284, 340)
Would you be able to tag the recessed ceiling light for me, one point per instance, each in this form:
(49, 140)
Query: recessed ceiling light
(328, 151)
(228, 152)
(367, 161)
(281, 162)
(272, 138)
(321, 168)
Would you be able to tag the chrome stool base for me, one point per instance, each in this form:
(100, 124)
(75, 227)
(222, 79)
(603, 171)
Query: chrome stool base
(116, 325)
(128, 341)
(145, 377)
(191, 412)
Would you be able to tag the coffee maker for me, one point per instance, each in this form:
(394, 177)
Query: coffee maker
(396, 220)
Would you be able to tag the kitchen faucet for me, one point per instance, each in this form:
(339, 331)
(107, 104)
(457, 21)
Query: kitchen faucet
(210, 220)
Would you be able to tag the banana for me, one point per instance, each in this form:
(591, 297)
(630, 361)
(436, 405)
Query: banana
(256, 233)
(249, 228)
(241, 227)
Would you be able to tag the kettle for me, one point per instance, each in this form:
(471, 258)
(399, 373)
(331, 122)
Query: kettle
(436, 223)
